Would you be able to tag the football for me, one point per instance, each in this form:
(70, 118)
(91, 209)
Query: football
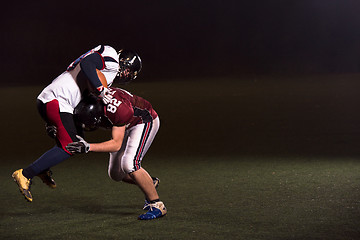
(102, 78)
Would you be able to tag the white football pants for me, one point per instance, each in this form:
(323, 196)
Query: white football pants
(137, 141)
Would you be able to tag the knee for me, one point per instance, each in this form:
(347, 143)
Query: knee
(128, 168)
(115, 175)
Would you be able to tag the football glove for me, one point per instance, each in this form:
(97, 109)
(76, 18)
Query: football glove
(105, 95)
(51, 130)
(78, 147)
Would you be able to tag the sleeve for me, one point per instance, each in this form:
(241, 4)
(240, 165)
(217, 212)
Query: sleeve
(89, 65)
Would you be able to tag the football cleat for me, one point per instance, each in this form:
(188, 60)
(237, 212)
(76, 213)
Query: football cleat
(156, 181)
(47, 179)
(156, 210)
(23, 183)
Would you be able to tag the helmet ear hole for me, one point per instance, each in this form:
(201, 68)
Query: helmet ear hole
(88, 113)
(129, 65)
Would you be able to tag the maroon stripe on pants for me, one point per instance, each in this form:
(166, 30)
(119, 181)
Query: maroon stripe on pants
(140, 150)
(53, 114)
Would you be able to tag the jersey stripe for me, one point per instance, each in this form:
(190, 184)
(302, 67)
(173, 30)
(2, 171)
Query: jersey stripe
(101, 50)
(144, 137)
(109, 59)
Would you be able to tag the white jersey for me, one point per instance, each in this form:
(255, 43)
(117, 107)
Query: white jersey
(65, 87)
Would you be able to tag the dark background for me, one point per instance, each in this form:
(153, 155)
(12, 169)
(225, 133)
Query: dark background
(227, 77)
(180, 39)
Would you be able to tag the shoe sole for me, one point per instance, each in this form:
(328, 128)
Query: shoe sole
(148, 219)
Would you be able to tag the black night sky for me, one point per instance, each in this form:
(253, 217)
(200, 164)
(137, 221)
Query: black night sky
(183, 39)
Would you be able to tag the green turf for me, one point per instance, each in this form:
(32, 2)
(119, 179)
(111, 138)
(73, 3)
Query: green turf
(207, 198)
(260, 158)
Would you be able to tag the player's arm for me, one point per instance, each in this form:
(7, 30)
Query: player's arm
(112, 145)
(89, 65)
(117, 132)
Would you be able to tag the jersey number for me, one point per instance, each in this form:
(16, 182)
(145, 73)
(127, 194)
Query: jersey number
(113, 105)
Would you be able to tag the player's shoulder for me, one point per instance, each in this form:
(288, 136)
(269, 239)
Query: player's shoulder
(122, 95)
(106, 51)
(120, 108)
(121, 91)
(109, 51)
(126, 111)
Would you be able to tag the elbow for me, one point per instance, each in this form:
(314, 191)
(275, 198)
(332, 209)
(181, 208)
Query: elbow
(84, 64)
(117, 147)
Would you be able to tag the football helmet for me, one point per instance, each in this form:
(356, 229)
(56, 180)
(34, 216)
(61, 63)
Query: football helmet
(88, 113)
(129, 65)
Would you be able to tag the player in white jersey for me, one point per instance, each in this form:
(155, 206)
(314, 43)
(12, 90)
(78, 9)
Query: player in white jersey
(94, 72)
(100, 66)
(68, 87)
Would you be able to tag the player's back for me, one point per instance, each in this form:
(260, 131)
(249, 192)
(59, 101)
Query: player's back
(129, 109)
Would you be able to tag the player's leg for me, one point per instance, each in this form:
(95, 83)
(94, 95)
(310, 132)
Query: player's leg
(115, 170)
(140, 138)
(46, 175)
(66, 133)
(142, 178)
(128, 179)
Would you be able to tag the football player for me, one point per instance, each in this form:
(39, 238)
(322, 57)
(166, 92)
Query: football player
(134, 124)
(93, 72)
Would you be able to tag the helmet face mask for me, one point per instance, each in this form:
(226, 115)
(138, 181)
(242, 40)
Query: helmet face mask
(89, 112)
(91, 125)
(129, 65)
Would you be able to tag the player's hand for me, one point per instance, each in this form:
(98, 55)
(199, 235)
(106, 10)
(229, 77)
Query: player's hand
(51, 130)
(78, 147)
(105, 95)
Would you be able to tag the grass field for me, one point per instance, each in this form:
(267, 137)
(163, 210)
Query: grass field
(260, 158)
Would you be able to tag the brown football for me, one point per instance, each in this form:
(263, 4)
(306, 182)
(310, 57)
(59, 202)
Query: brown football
(102, 78)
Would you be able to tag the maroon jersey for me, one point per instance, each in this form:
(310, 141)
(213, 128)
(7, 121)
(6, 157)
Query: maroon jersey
(128, 109)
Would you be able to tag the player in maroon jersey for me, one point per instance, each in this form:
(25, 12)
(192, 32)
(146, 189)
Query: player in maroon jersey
(134, 124)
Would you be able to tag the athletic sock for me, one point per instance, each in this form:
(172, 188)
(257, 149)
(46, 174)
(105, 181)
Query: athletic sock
(49, 159)
(154, 201)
